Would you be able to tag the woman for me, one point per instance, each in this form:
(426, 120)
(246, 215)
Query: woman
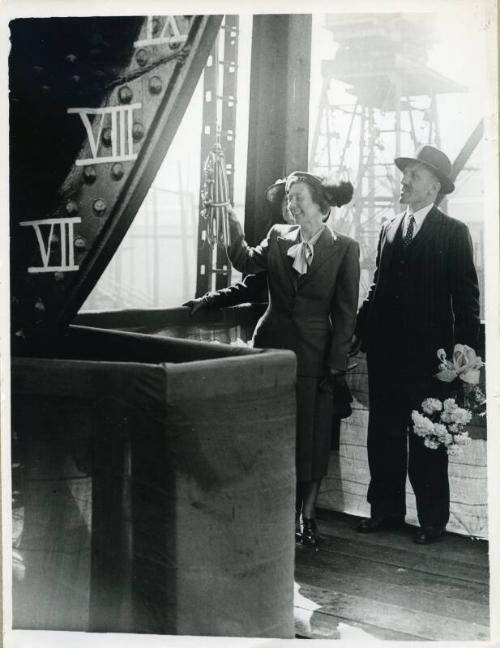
(313, 278)
(253, 288)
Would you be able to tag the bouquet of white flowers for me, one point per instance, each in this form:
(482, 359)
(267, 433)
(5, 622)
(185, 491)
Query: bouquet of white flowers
(442, 423)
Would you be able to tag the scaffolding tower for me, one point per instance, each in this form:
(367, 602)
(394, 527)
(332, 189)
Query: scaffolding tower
(390, 108)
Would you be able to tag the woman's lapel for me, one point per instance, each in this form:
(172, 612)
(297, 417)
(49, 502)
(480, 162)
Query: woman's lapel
(285, 242)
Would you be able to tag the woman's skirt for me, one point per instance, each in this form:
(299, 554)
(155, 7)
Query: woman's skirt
(314, 429)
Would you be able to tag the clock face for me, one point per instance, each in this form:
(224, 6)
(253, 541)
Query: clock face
(94, 105)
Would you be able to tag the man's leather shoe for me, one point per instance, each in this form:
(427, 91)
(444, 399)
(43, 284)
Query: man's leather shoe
(379, 523)
(428, 534)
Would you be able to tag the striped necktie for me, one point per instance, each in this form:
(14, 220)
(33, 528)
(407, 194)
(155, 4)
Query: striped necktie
(408, 237)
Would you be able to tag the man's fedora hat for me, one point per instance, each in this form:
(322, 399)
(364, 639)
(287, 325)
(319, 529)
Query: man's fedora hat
(433, 159)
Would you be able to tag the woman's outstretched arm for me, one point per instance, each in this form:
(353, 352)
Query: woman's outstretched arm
(246, 259)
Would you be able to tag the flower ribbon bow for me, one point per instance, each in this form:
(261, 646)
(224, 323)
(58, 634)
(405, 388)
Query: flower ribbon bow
(465, 365)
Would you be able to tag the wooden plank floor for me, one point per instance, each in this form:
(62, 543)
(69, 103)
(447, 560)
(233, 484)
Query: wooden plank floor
(384, 586)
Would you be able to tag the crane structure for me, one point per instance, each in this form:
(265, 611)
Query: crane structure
(388, 108)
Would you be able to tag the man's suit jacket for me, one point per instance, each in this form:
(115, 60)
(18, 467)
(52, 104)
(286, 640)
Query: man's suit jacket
(313, 314)
(438, 305)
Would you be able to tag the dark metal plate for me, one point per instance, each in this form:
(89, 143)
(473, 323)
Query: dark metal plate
(95, 104)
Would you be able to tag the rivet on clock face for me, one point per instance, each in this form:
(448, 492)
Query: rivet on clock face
(142, 57)
(89, 174)
(137, 131)
(125, 95)
(117, 171)
(99, 206)
(106, 136)
(71, 207)
(79, 243)
(155, 85)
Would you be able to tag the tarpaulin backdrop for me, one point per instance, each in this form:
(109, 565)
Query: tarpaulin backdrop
(158, 488)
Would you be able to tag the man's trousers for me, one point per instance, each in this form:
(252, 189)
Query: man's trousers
(394, 450)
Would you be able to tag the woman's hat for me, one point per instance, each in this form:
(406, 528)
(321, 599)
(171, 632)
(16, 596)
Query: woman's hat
(276, 192)
(335, 194)
(433, 159)
(296, 176)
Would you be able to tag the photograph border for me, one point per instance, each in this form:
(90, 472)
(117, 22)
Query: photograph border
(39, 8)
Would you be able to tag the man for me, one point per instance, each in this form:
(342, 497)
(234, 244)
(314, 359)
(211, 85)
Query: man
(424, 297)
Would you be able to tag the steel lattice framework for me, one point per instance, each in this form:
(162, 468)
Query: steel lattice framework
(389, 110)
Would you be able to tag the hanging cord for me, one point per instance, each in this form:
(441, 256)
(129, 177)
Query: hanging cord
(215, 196)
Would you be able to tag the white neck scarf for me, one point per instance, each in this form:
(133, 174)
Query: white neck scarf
(303, 253)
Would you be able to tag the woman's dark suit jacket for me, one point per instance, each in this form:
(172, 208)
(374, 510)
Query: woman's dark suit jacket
(314, 314)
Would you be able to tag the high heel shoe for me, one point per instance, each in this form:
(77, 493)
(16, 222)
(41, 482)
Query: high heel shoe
(310, 532)
(298, 528)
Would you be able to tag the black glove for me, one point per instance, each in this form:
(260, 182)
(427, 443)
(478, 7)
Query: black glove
(197, 304)
(336, 386)
(358, 344)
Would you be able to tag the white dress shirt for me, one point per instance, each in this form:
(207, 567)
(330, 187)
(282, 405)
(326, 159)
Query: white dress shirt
(419, 217)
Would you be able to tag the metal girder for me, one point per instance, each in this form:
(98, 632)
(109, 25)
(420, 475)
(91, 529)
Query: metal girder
(279, 110)
(464, 155)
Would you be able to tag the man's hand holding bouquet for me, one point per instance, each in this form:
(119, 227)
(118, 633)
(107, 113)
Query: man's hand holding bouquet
(443, 423)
